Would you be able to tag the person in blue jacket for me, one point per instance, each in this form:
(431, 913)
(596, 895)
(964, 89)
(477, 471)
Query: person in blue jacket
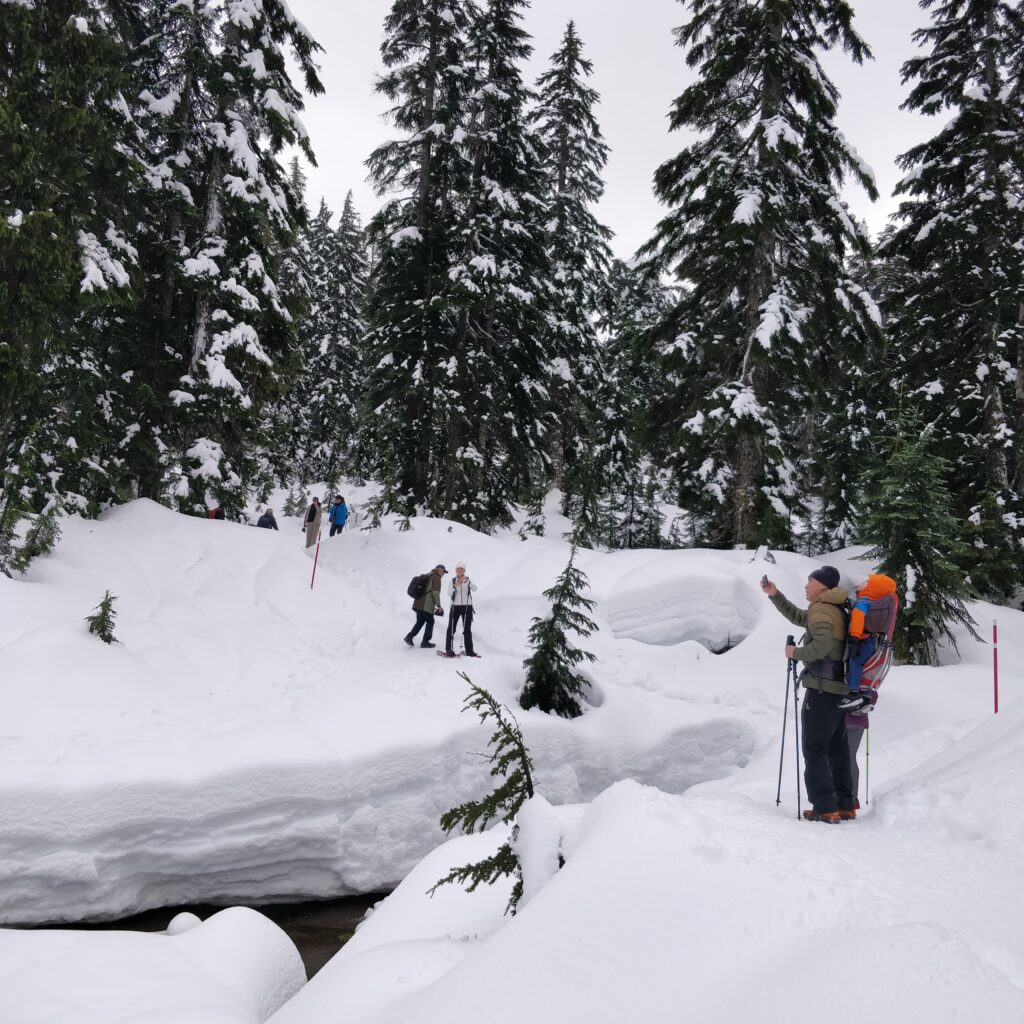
(338, 516)
(267, 520)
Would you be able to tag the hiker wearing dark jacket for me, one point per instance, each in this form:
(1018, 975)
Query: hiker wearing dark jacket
(823, 722)
(426, 607)
(267, 520)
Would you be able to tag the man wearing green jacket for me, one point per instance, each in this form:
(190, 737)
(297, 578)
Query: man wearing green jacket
(823, 723)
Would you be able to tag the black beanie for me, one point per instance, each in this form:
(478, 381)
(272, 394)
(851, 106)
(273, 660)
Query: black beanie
(828, 575)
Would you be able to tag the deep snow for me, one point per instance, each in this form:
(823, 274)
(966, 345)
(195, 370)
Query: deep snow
(251, 738)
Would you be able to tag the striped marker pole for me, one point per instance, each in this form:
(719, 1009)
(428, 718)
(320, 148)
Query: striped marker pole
(316, 555)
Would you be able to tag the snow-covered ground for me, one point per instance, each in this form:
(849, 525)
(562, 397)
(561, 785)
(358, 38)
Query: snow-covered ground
(250, 738)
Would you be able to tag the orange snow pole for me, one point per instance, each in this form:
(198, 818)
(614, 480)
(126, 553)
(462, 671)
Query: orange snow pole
(995, 666)
(316, 555)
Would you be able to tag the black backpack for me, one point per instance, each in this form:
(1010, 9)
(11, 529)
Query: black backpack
(418, 586)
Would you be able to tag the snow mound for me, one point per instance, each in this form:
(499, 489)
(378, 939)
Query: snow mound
(237, 967)
(700, 907)
(673, 600)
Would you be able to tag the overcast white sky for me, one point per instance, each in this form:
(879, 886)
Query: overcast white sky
(638, 71)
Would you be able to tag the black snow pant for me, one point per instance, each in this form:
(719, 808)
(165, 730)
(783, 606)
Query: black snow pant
(826, 752)
(424, 621)
(336, 528)
(457, 612)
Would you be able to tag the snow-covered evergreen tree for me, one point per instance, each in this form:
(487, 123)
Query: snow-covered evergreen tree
(574, 156)
(757, 236)
(323, 401)
(916, 539)
(67, 150)
(634, 305)
(495, 379)
(552, 682)
(219, 106)
(960, 229)
(411, 326)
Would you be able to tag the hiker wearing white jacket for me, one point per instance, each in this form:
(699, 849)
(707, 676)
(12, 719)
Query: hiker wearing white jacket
(461, 600)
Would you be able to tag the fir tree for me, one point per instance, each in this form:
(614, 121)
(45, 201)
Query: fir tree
(217, 106)
(574, 156)
(101, 622)
(756, 237)
(962, 221)
(496, 396)
(69, 162)
(323, 401)
(552, 684)
(411, 325)
(510, 761)
(915, 539)
(633, 305)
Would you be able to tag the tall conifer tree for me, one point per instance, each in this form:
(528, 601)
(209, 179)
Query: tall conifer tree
(757, 237)
(68, 149)
(574, 156)
(959, 327)
(411, 326)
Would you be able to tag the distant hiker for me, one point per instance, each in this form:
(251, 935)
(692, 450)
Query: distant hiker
(427, 605)
(461, 599)
(870, 620)
(823, 723)
(338, 516)
(215, 513)
(267, 520)
(311, 523)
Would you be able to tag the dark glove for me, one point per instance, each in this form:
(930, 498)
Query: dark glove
(439, 611)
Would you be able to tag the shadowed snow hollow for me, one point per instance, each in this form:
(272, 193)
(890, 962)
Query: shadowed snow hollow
(678, 598)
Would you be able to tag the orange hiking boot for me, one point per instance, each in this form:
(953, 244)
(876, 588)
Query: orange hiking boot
(850, 815)
(829, 817)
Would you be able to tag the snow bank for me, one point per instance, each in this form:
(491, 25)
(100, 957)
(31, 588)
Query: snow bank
(235, 968)
(675, 599)
(693, 908)
(251, 739)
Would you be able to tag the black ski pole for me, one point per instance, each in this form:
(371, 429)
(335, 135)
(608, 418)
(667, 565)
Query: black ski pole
(790, 641)
(782, 745)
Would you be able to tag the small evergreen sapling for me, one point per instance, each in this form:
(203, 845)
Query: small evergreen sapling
(551, 682)
(101, 622)
(510, 762)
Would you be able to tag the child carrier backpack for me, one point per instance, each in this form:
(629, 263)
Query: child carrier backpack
(418, 586)
(879, 621)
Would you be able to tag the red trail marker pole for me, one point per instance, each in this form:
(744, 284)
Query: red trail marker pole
(995, 667)
(316, 555)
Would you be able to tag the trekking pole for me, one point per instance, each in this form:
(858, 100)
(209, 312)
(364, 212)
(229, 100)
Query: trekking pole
(316, 555)
(790, 641)
(995, 666)
(867, 766)
(782, 745)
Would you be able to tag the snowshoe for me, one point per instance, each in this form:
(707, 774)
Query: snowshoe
(446, 654)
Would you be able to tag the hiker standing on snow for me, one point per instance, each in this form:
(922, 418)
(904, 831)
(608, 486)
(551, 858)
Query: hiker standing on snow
(461, 600)
(312, 522)
(426, 607)
(338, 516)
(267, 520)
(823, 722)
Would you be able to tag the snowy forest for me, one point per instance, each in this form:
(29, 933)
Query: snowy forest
(178, 324)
